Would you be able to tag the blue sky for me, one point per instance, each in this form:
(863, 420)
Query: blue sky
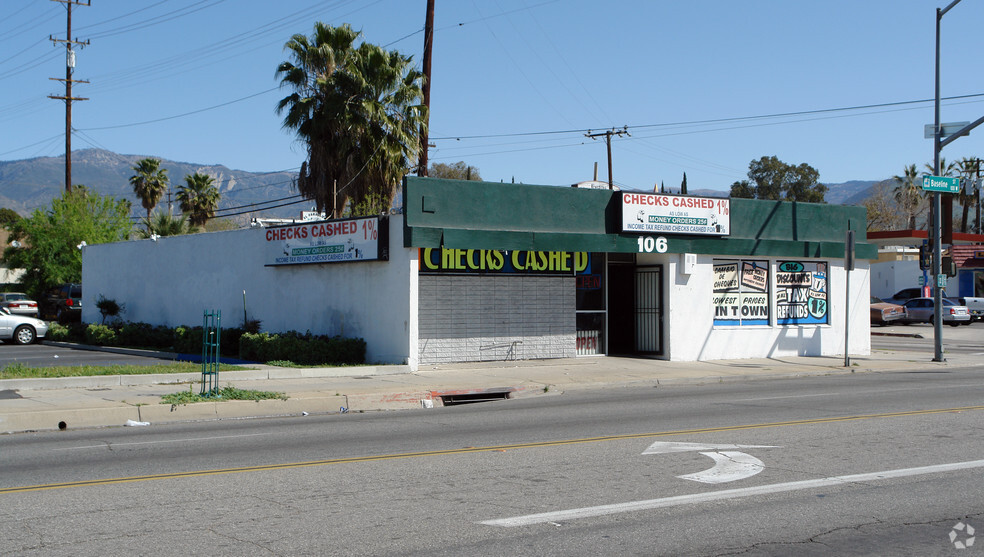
(517, 83)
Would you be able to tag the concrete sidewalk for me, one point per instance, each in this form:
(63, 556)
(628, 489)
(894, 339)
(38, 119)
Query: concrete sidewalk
(84, 402)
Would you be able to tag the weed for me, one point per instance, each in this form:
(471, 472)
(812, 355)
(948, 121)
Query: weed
(227, 393)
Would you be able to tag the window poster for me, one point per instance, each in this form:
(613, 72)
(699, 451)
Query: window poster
(801, 293)
(741, 293)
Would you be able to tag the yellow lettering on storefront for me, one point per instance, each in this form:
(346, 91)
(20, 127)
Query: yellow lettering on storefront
(428, 262)
(580, 261)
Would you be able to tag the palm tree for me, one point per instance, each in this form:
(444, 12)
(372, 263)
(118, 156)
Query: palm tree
(149, 183)
(909, 194)
(314, 110)
(163, 224)
(967, 197)
(389, 114)
(359, 111)
(945, 169)
(198, 198)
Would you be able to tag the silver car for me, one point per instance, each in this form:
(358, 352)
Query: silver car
(18, 303)
(920, 310)
(21, 329)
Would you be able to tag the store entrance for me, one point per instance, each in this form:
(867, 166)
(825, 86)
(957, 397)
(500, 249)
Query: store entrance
(635, 309)
(635, 314)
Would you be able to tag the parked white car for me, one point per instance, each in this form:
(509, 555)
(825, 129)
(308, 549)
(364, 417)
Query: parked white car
(975, 305)
(21, 329)
(920, 310)
(18, 303)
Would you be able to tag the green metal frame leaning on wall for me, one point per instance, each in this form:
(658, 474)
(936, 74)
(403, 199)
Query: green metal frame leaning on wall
(461, 214)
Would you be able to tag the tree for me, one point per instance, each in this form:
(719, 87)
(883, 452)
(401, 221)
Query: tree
(884, 210)
(683, 184)
(198, 198)
(777, 180)
(359, 112)
(454, 171)
(968, 169)
(909, 195)
(163, 224)
(8, 217)
(52, 238)
(743, 189)
(149, 183)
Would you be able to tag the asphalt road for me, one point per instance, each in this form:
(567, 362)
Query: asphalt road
(866, 464)
(918, 337)
(41, 355)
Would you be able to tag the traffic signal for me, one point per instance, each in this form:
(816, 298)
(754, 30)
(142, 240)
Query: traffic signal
(949, 266)
(925, 257)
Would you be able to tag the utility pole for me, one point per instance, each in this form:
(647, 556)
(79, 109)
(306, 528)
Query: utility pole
(428, 46)
(608, 140)
(68, 98)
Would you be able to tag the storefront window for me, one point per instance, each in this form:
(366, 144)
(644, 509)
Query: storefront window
(741, 293)
(591, 306)
(590, 284)
(801, 293)
(590, 334)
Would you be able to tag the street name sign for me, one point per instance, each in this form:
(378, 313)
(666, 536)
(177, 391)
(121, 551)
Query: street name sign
(943, 184)
(946, 129)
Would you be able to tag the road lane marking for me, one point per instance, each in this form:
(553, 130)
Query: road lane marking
(633, 506)
(729, 466)
(857, 392)
(494, 448)
(104, 445)
(665, 447)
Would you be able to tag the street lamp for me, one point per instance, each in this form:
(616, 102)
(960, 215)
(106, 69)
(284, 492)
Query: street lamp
(937, 232)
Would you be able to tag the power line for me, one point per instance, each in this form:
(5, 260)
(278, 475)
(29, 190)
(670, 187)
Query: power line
(183, 114)
(715, 120)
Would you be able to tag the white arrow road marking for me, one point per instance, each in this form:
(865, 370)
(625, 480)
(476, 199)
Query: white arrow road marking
(729, 466)
(663, 447)
(727, 494)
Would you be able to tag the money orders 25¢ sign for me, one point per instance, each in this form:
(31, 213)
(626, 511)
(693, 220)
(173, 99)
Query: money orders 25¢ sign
(331, 241)
(646, 213)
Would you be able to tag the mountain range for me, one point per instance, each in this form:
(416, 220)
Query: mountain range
(29, 184)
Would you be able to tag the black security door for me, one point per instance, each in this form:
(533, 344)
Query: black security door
(648, 310)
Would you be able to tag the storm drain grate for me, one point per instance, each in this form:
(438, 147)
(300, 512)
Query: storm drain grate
(472, 398)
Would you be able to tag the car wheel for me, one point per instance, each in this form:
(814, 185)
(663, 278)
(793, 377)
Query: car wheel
(954, 323)
(24, 334)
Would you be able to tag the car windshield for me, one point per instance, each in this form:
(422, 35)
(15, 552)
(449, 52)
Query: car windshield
(14, 297)
(875, 300)
(948, 302)
(76, 292)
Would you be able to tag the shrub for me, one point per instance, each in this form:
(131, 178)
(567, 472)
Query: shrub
(305, 349)
(66, 332)
(143, 335)
(109, 308)
(100, 335)
(188, 340)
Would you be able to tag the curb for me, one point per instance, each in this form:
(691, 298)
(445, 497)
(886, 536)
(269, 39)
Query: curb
(900, 335)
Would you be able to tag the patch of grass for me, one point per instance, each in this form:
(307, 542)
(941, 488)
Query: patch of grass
(20, 370)
(288, 363)
(227, 393)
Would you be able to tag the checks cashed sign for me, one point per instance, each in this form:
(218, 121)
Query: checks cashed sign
(330, 241)
(647, 213)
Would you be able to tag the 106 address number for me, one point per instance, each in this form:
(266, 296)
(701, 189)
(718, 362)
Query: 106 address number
(648, 244)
